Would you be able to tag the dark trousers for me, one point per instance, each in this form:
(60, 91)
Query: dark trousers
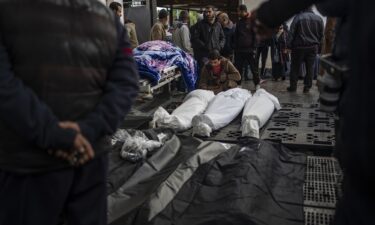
(262, 51)
(299, 56)
(242, 59)
(78, 195)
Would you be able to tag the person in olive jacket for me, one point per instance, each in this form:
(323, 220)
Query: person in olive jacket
(219, 74)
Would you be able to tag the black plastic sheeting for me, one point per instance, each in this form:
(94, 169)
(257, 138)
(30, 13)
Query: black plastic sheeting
(258, 183)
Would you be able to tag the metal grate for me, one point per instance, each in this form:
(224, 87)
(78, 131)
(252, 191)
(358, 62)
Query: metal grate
(316, 123)
(320, 194)
(285, 123)
(314, 216)
(323, 165)
(291, 105)
(284, 137)
(322, 177)
(299, 113)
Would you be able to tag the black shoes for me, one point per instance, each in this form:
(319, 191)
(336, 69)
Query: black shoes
(306, 90)
(290, 89)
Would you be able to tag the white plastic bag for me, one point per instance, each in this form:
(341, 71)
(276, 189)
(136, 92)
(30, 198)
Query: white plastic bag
(194, 104)
(137, 145)
(225, 107)
(257, 112)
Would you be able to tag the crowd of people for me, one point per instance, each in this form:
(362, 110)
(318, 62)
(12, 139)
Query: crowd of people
(297, 46)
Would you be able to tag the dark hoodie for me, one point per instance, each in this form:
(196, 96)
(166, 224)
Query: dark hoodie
(229, 31)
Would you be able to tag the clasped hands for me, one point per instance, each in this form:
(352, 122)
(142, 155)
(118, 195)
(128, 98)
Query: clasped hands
(82, 151)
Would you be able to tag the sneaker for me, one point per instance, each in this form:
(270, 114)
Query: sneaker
(257, 87)
(306, 90)
(290, 89)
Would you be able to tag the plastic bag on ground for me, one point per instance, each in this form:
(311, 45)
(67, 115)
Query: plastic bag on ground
(136, 145)
(257, 112)
(224, 108)
(195, 103)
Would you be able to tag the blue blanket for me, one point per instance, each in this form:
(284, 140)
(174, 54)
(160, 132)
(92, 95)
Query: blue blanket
(154, 56)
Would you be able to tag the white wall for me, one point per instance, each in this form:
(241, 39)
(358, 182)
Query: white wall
(252, 4)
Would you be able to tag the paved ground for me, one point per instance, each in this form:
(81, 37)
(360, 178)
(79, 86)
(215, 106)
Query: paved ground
(279, 90)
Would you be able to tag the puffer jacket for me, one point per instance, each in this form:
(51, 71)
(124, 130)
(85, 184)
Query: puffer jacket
(60, 60)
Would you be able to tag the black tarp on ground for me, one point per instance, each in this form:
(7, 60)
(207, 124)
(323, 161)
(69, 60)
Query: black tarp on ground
(185, 148)
(241, 186)
(256, 184)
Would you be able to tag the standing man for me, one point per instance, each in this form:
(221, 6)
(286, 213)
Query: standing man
(262, 51)
(129, 25)
(208, 35)
(304, 39)
(229, 29)
(65, 86)
(245, 45)
(181, 35)
(159, 30)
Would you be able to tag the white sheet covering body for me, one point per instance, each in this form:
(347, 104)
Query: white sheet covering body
(257, 112)
(195, 103)
(225, 107)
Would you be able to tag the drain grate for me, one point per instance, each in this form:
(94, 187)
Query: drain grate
(314, 216)
(320, 194)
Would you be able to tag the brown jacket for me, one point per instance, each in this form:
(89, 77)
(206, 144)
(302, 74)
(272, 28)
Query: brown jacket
(158, 32)
(227, 79)
(130, 27)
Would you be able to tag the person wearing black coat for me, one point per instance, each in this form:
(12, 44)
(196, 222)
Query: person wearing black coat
(245, 45)
(279, 54)
(354, 47)
(229, 30)
(207, 35)
(65, 85)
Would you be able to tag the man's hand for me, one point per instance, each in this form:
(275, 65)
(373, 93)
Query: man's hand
(81, 153)
(82, 150)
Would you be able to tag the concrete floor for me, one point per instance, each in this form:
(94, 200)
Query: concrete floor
(278, 88)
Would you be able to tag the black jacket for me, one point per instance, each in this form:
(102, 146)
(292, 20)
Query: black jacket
(49, 75)
(274, 13)
(244, 37)
(229, 31)
(207, 37)
(307, 30)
